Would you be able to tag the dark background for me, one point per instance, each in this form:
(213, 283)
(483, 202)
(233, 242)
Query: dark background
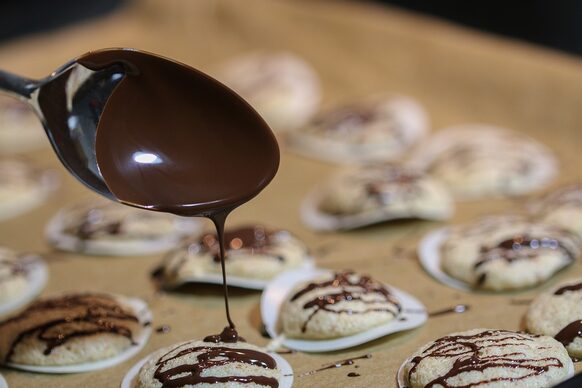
(552, 23)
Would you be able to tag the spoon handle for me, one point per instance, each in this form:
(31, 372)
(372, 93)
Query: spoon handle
(16, 85)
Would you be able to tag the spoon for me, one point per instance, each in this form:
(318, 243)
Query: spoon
(69, 103)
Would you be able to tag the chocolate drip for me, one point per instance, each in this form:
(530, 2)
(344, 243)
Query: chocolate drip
(219, 218)
(212, 357)
(569, 333)
(571, 287)
(338, 364)
(228, 335)
(98, 314)
(343, 280)
(467, 351)
(518, 248)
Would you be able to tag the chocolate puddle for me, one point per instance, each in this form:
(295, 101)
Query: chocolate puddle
(172, 139)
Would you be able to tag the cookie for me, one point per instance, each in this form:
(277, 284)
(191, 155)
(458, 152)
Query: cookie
(374, 193)
(562, 207)
(20, 128)
(109, 228)
(337, 305)
(69, 329)
(479, 161)
(13, 276)
(253, 252)
(558, 314)
(491, 358)
(378, 129)
(282, 87)
(507, 252)
(22, 187)
(205, 364)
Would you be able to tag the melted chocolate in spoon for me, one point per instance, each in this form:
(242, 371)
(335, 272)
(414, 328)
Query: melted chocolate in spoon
(172, 139)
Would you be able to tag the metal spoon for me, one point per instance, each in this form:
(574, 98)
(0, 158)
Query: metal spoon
(69, 103)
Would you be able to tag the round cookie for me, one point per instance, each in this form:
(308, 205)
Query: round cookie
(562, 207)
(489, 358)
(209, 364)
(22, 187)
(507, 252)
(378, 129)
(375, 193)
(480, 161)
(20, 128)
(337, 305)
(13, 276)
(282, 87)
(558, 314)
(108, 228)
(69, 329)
(253, 252)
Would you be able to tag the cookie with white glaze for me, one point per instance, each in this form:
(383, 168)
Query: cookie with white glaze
(69, 329)
(507, 252)
(20, 128)
(23, 187)
(480, 161)
(377, 129)
(253, 252)
(558, 313)
(13, 275)
(489, 358)
(281, 86)
(210, 364)
(374, 193)
(108, 228)
(337, 305)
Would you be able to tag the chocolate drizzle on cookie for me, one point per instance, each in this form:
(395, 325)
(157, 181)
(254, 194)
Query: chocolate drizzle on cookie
(567, 196)
(352, 288)
(212, 357)
(80, 315)
(10, 269)
(569, 333)
(466, 350)
(252, 239)
(346, 119)
(393, 181)
(522, 247)
(568, 288)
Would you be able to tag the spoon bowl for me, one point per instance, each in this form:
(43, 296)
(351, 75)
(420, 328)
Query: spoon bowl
(69, 103)
(145, 130)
